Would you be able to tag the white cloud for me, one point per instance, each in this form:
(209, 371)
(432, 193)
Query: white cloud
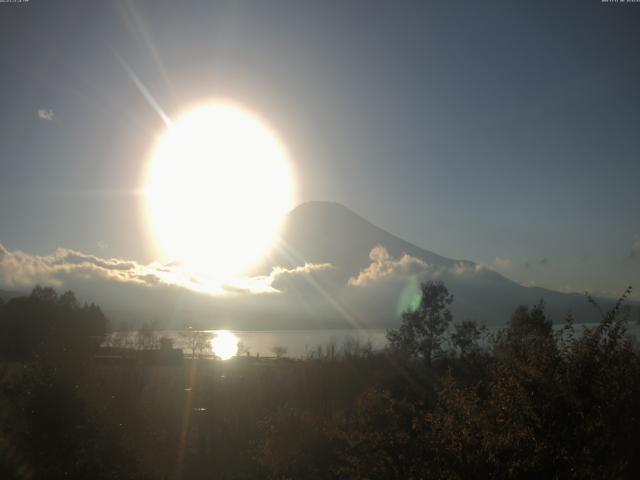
(44, 114)
(279, 273)
(63, 267)
(383, 267)
(20, 269)
(635, 250)
(278, 281)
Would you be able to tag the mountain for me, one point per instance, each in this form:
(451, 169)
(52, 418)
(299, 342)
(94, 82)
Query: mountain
(6, 295)
(330, 268)
(317, 232)
(327, 232)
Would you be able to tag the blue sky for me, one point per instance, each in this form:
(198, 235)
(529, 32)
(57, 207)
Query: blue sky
(500, 132)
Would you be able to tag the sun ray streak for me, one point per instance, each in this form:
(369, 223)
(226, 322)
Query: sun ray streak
(138, 28)
(144, 91)
(294, 257)
(186, 417)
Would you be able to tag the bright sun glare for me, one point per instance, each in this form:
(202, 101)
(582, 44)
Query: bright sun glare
(224, 344)
(217, 187)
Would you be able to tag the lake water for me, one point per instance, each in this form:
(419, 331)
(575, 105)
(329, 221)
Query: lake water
(300, 343)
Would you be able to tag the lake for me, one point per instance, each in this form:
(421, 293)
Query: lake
(299, 343)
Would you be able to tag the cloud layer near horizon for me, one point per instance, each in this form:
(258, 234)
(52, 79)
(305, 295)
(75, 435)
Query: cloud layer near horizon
(65, 267)
(309, 295)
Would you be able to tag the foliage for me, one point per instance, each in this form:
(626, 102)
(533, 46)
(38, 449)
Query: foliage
(553, 405)
(198, 341)
(48, 429)
(529, 401)
(279, 351)
(422, 330)
(388, 439)
(146, 338)
(466, 336)
(47, 325)
(314, 454)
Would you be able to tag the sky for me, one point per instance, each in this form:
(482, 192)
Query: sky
(505, 133)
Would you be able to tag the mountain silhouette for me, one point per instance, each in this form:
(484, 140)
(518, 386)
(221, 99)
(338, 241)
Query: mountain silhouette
(329, 268)
(317, 232)
(6, 295)
(328, 232)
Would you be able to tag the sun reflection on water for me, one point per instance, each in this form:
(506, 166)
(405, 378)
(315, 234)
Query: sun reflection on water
(224, 345)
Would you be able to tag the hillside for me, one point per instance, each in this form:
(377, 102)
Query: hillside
(327, 232)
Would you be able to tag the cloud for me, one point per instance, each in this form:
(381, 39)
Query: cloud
(635, 250)
(527, 265)
(467, 268)
(44, 114)
(383, 266)
(65, 267)
(63, 256)
(545, 261)
(282, 279)
(503, 263)
(19, 269)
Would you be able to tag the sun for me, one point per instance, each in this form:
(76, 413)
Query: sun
(218, 184)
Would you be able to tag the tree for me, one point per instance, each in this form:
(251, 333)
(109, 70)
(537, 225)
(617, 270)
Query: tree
(531, 323)
(146, 338)
(68, 300)
(44, 324)
(45, 295)
(465, 337)
(388, 438)
(529, 334)
(299, 444)
(197, 341)
(166, 343)
(422, 330)
(549, 405)
(279, 351)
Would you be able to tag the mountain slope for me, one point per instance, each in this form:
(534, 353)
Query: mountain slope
(6, 295)
(319, 232)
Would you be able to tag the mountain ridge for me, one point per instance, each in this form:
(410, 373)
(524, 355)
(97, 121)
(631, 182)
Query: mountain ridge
(319, 216)
(319, 232)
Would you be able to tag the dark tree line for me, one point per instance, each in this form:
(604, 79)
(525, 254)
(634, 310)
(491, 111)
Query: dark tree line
(50, 428)
(45, 324)
(445, 401)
